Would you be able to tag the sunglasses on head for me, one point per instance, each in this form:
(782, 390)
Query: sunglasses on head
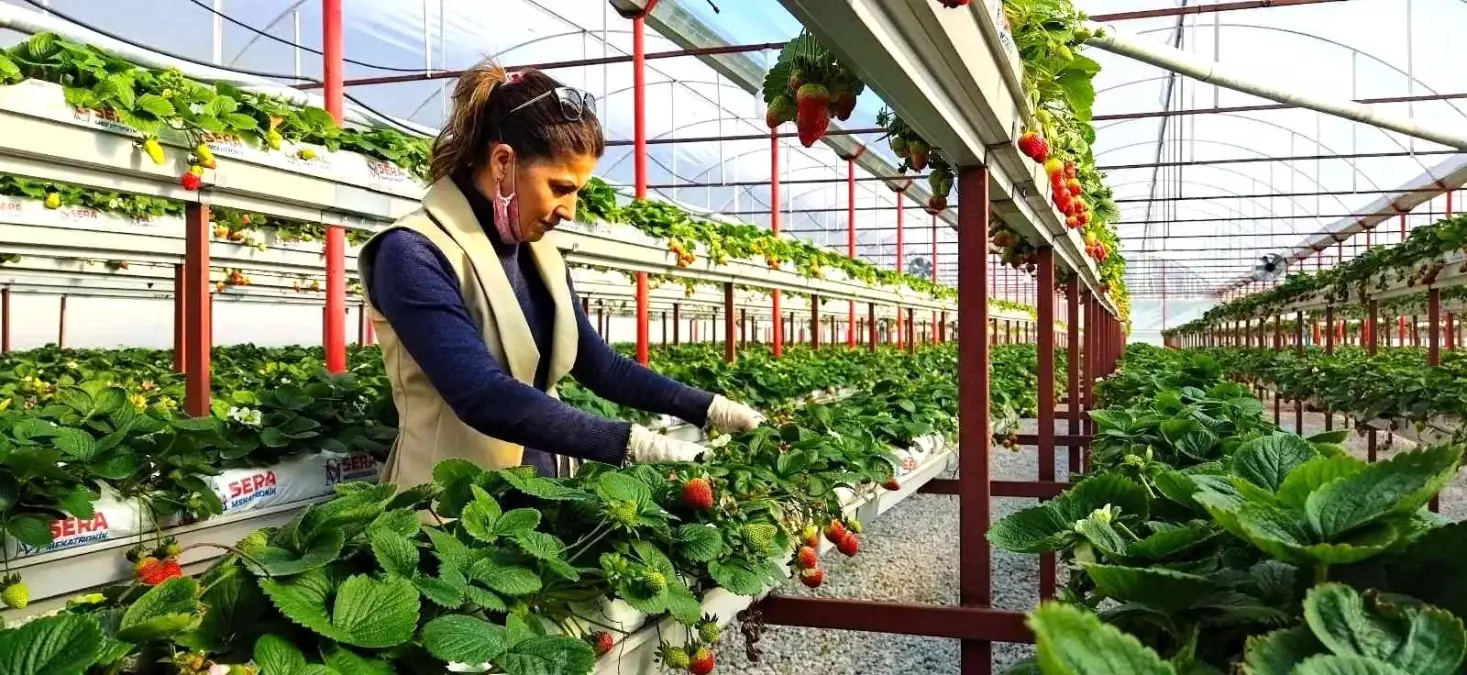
(573, 103)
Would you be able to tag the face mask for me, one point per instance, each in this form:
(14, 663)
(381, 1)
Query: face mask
(507, 209)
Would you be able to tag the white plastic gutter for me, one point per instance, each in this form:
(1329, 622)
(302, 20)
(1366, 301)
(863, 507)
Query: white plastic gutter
(1178, 61)
(32, 22)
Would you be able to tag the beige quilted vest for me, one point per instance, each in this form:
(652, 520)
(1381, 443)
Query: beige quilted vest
(428, 429)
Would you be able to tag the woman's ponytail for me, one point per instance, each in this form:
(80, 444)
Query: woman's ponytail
(482, 102)
(461, 139)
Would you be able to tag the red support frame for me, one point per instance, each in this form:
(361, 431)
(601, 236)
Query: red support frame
(778, 341)
(1433, 349)
(1044, 282)
(4, 320)
(1072, 366)
(975, 565)
(179, 341)
(333, 325)
(730, 344)
(1329, 348)
(814, 322)
(197, 306)
(61, 324)
(901, 261)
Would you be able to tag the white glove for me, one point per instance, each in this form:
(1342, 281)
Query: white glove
(725, 416)
(644, 446)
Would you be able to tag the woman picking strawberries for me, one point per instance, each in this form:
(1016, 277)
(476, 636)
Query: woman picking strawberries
(475, 310)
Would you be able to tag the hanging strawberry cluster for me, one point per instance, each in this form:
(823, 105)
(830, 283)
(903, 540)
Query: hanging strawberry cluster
(1068, 195)
(808, 86)
(940, 182)
(1015, 251)
(914, 151)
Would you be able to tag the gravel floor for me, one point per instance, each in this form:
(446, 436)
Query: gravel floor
(910, 555)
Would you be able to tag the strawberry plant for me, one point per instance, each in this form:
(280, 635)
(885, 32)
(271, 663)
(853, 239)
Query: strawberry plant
(1205, 539)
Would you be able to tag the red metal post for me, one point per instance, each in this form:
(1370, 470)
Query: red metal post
(1371, 347)
(774, 227)
(814, 322)
(1449, 338)
(901, 261)
(1278, 345)
(196, 310)
(1433, 347)
(729, 343)
(639, 162)
(663, 321)
(851, 240)
(871, 326)
(4, 320)
(677, 323)
(179, 342)
(975, 585)
(1044, 281)
(61, 324)
(334, 323)
(1072, 366)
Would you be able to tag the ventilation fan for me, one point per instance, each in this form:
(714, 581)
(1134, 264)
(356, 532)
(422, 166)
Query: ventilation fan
(1269, 268)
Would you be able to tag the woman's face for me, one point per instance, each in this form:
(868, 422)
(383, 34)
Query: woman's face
(546, 189)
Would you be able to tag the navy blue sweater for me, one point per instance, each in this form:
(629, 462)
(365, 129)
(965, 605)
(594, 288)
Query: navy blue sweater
(414, 286)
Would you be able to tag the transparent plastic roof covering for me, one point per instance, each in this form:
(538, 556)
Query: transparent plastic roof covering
(685, 97)
(1200, 226)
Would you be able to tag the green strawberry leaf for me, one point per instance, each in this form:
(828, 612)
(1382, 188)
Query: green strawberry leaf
(1265, 461)
(1072, 641)
(167, 609)
(55, 645)
(464, 639)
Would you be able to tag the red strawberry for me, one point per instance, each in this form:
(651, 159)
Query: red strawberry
(918, 154)
(812, 116)
(152, 571)
(601, 642)
(1083, 217)
(835, 531)
(1053, 166)
(806, 558)
(1041, 150)
(1072, 222)
(701, 662)
(780, 110)
(848, 545)
(936, 203)
(1073, 184)
(1027, 143)
(953, 4)
(812, 577)
(1069, 169)
(892, 484)
(190, 181)
(698, 494)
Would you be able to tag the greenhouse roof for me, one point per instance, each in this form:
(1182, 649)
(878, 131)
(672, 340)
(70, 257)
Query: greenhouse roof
(1207, 179)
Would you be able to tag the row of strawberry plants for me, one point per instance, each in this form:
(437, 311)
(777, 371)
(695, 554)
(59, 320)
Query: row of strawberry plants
(154, 101)
(1415, 262)
(512, 570)
(1206, 540)
(1394, 384)
(72, 420)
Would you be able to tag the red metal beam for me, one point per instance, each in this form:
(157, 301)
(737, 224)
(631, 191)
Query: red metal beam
(851, 240)
(814, 321)
(61, 324)
(197, 306)
(1072, 367)
(1202, 9)
(179, 341)
(639, 159)
(742, 137)
(774, 204)
(972, 625)
(552, 65)
(802, 181)
(1044, 290)
(1269, 106)
(975, 588)
(333, 325)
(4, 320)
(730, 352)
(1295, 158)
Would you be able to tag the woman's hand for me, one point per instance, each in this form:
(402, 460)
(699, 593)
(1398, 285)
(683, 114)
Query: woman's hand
(644, 446)
(725, 416)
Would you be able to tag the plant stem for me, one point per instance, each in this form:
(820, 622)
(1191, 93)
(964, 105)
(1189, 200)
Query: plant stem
(231, 549)
(1321, 573)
